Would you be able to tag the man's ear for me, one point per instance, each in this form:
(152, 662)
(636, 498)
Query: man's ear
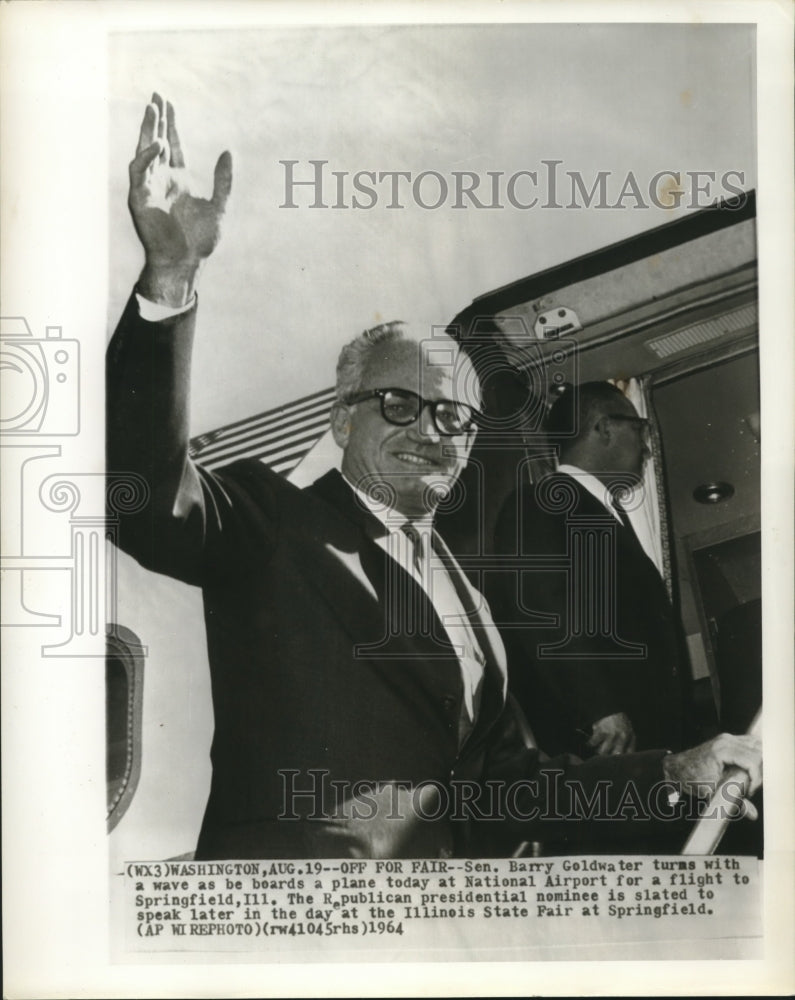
(340, 424)
(604, 431)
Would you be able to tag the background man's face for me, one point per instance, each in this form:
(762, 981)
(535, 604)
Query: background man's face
(414, 464)
(629, 450)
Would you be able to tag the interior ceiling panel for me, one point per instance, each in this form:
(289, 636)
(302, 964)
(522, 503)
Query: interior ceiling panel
(665, 300)
(715, 319)
(615, 293)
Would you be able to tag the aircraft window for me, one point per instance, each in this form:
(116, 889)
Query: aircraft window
(124, 677)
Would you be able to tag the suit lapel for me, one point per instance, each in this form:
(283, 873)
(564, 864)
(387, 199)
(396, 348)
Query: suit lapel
(333, 489)
(629, 537)
(626, 535)
(627, 540)
(404, 607)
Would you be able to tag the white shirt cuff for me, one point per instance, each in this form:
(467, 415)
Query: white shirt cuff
(153, 312)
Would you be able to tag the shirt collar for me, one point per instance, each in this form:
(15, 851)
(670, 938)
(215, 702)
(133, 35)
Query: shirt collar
(390, 518)
(595, 487)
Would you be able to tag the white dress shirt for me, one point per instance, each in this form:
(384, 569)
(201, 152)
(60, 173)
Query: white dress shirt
(434, 579)
(153, 312)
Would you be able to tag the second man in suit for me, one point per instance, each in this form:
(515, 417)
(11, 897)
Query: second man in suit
(594, 643)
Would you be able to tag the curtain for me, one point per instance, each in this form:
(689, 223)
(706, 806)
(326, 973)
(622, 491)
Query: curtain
(653, 512)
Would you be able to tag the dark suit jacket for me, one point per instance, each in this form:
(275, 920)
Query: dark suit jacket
(592, 630)
(319, 671)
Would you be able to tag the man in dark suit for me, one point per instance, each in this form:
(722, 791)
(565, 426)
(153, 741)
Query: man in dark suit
(359, 685)
(594, 644)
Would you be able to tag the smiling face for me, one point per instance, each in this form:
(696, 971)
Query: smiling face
(414, 466)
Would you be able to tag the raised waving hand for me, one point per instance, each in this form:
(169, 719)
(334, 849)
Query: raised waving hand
(177, 229)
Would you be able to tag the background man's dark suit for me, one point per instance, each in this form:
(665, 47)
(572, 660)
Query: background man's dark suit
(590, 678)
(293, 584)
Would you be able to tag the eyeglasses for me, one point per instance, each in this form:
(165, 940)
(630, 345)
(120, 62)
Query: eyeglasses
(402, 407)
(641, 423)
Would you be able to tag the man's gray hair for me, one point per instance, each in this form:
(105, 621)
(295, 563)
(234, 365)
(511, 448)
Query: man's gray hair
(353, 356)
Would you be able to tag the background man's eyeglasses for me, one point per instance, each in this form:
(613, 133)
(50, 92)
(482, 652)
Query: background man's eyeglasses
(402, 407)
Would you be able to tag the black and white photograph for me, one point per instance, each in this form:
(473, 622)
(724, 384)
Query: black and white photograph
(397, 499)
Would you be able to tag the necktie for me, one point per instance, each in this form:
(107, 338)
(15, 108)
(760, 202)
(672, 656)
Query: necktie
(417, 545)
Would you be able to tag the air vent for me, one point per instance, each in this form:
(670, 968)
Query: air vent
(703, 333)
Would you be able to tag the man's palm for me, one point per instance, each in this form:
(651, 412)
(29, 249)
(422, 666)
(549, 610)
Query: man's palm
(175, 227)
